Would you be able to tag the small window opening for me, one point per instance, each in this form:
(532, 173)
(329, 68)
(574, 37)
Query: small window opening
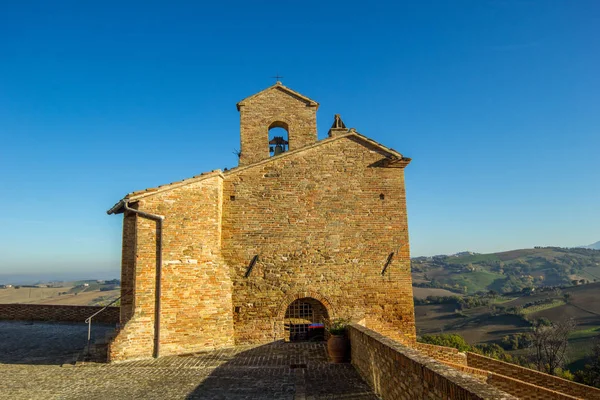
(238, 309)
(232, 197)
(382, 196)
(278, 138)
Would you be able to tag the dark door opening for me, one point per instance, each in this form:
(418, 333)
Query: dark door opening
(305, 320)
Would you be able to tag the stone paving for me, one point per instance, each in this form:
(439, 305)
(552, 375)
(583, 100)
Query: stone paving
(23, 342)
(274, 371)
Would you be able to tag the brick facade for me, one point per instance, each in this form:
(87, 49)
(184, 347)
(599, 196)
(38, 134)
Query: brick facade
(275, 107)
(320, 221)
(195, 306)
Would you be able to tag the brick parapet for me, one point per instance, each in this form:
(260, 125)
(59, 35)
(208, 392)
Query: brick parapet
(395, 371)
(478, 374)
(442, 353)
(58, 313)
(530, 376)
(526, 391)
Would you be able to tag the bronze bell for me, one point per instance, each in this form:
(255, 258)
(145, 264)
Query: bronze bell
(278, 150)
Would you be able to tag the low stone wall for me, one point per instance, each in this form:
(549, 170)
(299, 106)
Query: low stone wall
(442, 353)
(59, 313)
(395, 371)
(478, 374)
(533, 377)
(524, 390)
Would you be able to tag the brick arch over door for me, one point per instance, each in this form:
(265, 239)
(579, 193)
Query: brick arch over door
(278, 326)
(289, 299)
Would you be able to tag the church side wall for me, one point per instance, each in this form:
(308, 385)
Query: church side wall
(266, 108)
(320, 229)
(196, 307)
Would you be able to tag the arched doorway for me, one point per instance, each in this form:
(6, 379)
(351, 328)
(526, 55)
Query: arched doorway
(305, 319)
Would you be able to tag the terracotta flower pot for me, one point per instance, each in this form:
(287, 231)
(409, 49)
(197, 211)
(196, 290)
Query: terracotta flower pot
(337, 347)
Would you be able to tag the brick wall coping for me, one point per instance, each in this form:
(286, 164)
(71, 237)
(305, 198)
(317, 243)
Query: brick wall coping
(445, 349)
(470, 370)
(518, 387)
(531, 376)
(441, 353)
(471, 387)
(57, 312)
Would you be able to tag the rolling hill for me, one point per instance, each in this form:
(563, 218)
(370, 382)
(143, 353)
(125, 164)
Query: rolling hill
(507, 272)
(594, 246)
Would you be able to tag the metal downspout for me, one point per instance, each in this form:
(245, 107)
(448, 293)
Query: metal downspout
(159, 220)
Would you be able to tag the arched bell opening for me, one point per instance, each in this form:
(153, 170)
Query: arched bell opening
(305, 320)
(278, 138)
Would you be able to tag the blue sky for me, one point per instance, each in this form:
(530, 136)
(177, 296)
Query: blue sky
(497, 102)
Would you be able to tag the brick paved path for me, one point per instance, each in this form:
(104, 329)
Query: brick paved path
(273, 371)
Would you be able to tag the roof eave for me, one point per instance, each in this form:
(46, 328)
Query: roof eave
(117, 208)
(310, 102)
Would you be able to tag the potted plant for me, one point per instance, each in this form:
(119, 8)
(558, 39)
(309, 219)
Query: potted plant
(338, 345)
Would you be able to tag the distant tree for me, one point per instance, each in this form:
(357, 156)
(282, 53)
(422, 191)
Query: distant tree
(542, 322)
(448, 340)
(567, 297)
(590, 375)
(549, 345)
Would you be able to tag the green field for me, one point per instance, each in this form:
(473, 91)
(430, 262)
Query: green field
(542, 307)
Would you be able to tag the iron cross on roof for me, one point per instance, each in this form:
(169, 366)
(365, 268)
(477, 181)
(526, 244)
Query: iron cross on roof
(277, 77)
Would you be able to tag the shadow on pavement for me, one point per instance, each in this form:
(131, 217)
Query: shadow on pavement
(45, 343)
(280, 371)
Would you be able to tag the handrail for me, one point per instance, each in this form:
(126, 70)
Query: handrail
(88, 321)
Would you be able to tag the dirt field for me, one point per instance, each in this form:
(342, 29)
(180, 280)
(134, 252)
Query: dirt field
(25, 295)
(30, 295)
(477, 326)
(421, 293)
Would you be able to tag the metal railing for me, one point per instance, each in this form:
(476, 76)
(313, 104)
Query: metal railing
(88, 321)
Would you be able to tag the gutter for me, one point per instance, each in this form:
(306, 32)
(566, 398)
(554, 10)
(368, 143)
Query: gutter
(123, 205)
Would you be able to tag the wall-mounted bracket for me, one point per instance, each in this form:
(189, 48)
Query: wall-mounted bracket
(251, 265)
(387, 263)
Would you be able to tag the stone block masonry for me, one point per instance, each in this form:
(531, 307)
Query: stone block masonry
(321, 229)
(58, 313)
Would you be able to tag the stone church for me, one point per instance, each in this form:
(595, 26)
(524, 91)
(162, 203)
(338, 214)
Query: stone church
(302, 231)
